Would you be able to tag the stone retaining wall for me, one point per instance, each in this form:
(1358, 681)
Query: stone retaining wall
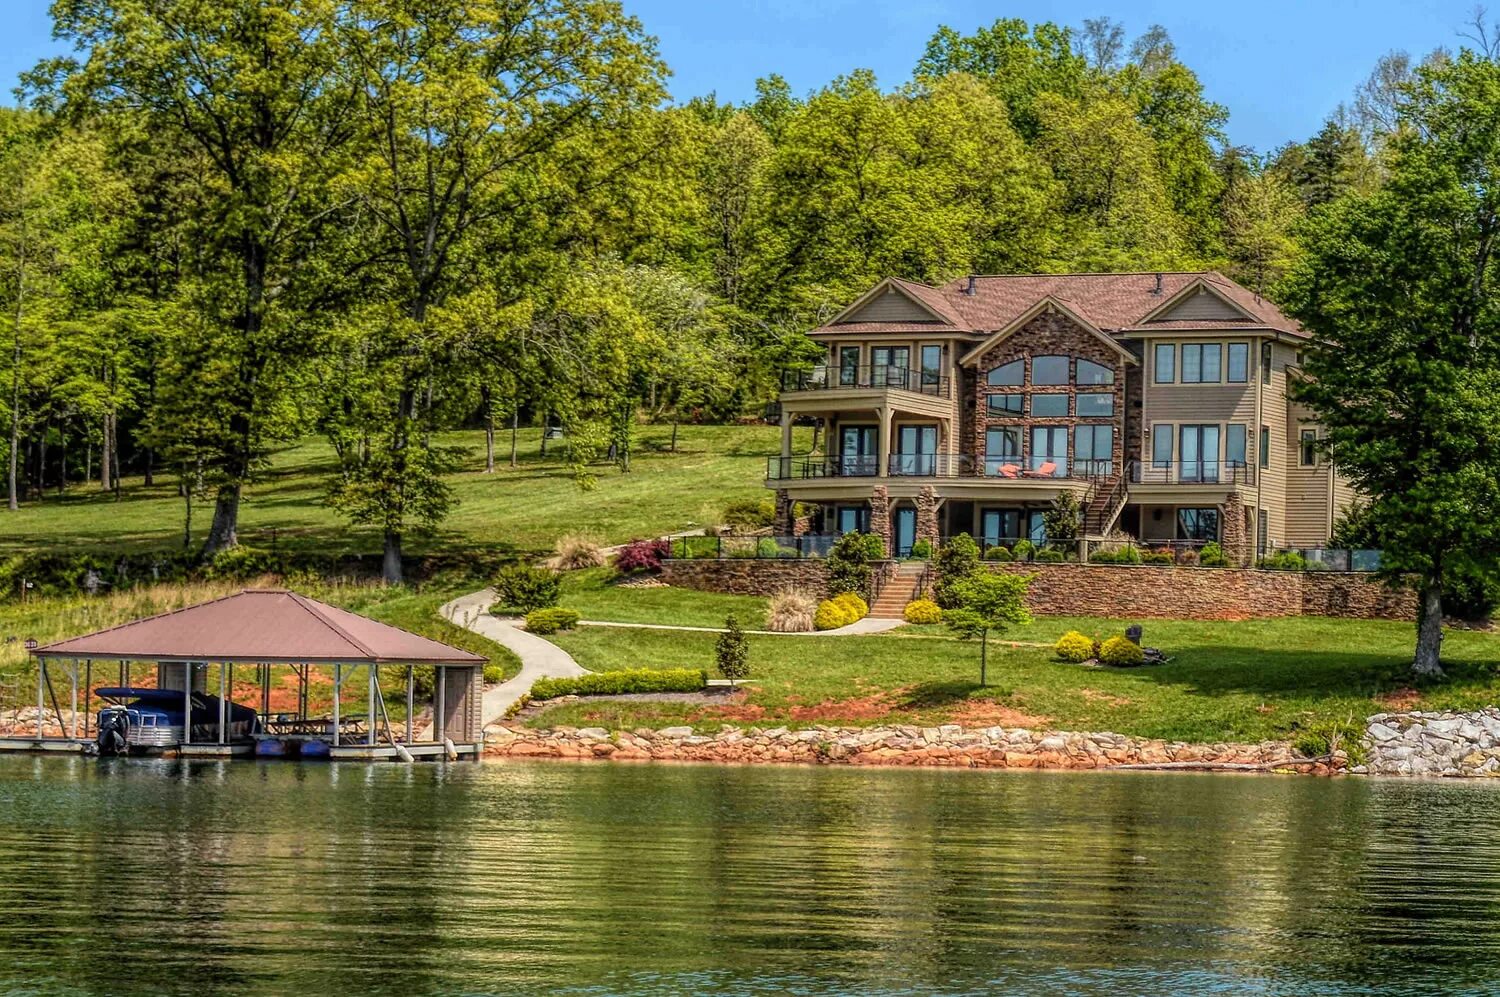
(1115, 590)
(947, 746)
(1464, 745)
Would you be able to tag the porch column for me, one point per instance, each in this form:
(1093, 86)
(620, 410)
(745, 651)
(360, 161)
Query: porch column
(786, 436)
(884, 451)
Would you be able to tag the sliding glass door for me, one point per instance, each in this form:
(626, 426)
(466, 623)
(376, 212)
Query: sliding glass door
(858, 455)
(916, 450)
(1198, 451)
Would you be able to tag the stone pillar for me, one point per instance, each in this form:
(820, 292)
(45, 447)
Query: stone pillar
(1233, 538)
(880, 515)
(785, 513)
(927, 519)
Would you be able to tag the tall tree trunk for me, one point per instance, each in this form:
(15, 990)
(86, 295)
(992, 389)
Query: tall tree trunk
(187, 515)
(13, 497)
(546, 424)
(675, 422)
(1428, 660)
(390, 565)
(515, 428)
(224, 532)
(41, 461)
(106, 456)
(489, 429)
(62, 469)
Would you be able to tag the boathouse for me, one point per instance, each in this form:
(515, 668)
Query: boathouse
(268, 634)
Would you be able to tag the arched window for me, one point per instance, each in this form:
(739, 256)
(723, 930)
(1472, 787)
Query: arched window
(1094, 373)
(1008, 374)
(1049, 370)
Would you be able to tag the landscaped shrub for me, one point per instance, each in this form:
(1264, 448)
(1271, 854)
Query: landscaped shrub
(573, 553)
(853, 605)
(1050, 554)
(998, 553)
(494, 673)
(791, 612)
(921, 550)
(1469, 593)
(622, 682)
(524, 587)
(1212, 556)
(767, 547)
(550, 621)
(923, 612)
(1287, 560)
(831, 615)
(957, 562)
(849, 562)
(1064, 519)
(241, 562)
(1024, 550)
(1122, 652)
(750, 514)
(1074, 646)
(1161, 556)
(732, 651)
(642, 555)
(1187, 556)
(1120, 555)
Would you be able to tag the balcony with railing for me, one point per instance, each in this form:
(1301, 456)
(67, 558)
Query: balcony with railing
(938, 465)
(866, 378)
(1192, 472)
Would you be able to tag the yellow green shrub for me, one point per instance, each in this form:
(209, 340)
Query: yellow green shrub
(1074, 646)
(856, 607)
(831, 615)
(923, 611)
(1119, 651)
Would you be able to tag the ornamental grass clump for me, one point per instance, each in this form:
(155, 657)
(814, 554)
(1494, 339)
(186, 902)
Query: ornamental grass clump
(791, 612)
(573, 553)
(923, 612)
(1121, 652)
(1074, 647)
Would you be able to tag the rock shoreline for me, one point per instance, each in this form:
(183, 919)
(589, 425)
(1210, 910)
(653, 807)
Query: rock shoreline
(1445, 744)
(947, 746)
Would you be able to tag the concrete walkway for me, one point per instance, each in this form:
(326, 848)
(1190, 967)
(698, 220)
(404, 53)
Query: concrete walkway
(539, 658)
(868, 625)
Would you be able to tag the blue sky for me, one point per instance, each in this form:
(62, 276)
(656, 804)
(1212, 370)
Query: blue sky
(1280, 66)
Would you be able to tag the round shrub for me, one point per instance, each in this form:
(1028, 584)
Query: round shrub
(1212, 556)
(1074, 646)
(550, 621)
(998, 553)
(1024, 550)
(525, 587)
(922, 612)
(1050, 554)
(1119, 651)
(854, 606)
(642, 555)
(831, 615)
(921, 551)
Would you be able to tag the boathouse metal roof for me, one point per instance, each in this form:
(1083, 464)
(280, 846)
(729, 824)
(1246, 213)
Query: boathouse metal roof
(261, 626)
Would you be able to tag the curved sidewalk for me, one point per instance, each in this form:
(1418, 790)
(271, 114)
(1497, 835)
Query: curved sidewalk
(539, 658)
(868, 625)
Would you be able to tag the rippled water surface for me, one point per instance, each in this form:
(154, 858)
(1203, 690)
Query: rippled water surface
(168, 877)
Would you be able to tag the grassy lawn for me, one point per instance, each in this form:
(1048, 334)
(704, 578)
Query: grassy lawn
(1227, 681)
(50, 619)
(594, 595)
(526, 508)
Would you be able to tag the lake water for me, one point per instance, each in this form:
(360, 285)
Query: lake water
(168, 877)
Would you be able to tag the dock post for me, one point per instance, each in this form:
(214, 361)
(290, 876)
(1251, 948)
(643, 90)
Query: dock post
(187, 702)
(370, 716)
(73, 675)
(338, 677)
(41, 686)
(88, 693)
(440, 708)
(223, 691)
(411, 697)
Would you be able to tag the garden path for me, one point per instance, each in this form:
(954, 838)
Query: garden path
(868, 625)
(539, 658)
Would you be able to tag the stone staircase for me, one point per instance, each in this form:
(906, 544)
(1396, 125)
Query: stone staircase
(890, 604)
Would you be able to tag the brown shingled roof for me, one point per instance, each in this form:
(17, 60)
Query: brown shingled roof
(261, 625)
(1113, 302)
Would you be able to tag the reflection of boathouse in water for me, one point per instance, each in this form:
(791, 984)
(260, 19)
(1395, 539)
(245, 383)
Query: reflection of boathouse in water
(275, 638)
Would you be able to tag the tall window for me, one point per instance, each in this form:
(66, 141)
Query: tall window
(1239, 363)
(997, 526)
(1002, 448)
(1049, 445)
(1049, 370)
(1200, 363)
(1095, 373)
(1198, 453)
(1234, 445)
(932, 366)
(848, 366)
(1094, 449)
(891, 366)
(1161, 445)
(1265, 363)
(1166, 363)
(1198, 524)
(1307, 449)
(1008, 374)
(1265, 446)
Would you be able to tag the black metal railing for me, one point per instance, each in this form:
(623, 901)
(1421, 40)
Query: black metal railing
(793, 468)
(930, 465)
(924, 382)
(775, 548)
(1192, 472)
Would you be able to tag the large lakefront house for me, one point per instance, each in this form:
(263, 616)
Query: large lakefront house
(1160, 400)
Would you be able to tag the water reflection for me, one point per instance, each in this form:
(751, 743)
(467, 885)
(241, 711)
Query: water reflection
(135, 877)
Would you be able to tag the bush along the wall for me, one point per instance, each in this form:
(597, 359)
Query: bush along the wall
(622, 682)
